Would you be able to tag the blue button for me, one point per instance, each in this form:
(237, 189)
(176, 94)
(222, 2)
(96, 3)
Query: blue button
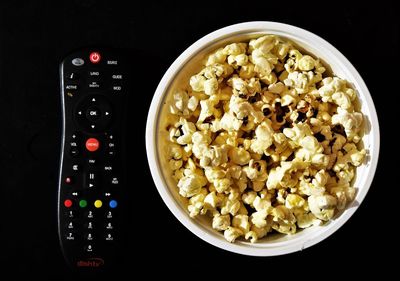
(113, 204)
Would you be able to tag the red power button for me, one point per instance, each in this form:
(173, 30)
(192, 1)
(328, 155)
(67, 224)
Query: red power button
(95, 57)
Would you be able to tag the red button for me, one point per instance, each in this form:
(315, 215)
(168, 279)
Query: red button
(95, 57)
(67, 203)
(68, 180)
(92, 144)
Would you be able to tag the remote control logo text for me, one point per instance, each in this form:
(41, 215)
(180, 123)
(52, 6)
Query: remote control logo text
(91, 262)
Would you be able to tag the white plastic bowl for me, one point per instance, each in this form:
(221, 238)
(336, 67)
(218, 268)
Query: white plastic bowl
(188, 63)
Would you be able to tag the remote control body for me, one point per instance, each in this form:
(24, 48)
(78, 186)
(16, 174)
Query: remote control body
(92, 178)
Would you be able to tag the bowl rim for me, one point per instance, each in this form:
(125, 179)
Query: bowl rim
(151, 146)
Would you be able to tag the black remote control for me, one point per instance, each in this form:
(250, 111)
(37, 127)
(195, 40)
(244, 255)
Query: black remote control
(91, 195)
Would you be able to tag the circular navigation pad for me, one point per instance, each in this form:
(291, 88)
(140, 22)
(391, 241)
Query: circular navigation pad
(93, 113)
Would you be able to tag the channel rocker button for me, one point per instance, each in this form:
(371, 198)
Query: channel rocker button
(95, 57)
(92, 144)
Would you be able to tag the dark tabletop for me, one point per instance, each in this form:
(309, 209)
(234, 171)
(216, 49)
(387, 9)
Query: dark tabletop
(34, 37)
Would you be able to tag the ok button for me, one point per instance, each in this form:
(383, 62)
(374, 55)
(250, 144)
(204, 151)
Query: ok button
(93, 113)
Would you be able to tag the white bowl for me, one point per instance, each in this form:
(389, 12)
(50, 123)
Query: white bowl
(188, 63)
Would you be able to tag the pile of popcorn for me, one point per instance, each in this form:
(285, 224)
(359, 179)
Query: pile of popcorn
(261, 140)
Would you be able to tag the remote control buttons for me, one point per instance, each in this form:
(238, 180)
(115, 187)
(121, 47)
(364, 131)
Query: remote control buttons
(94, 85)
(91, 162)
(78, 62)
(90, 225)
(92, 144)
(113, 62)
(89, 237)
(116, 88)
(113, 204)
(109, 237)
(91, 180)
(89, 248)
(94, 74)
(74, 152)
(98, 203)
(116, 77)
(70, 225)
(75, 167)
(70, 236)
(70, 214)
(114, 181)
(73, 144)
(110, 145)
(68, 203)
(90, 215)
(73, 76)
(95, 57)
(71, 87)
(83, 203)
(68, 180)
(93, 113)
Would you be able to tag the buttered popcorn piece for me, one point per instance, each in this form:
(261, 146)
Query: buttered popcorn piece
(262, 140)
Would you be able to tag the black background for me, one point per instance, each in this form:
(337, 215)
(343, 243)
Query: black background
(34, 37)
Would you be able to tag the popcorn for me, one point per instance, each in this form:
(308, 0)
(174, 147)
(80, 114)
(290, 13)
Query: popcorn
(196, 204)
(221, 222)
(231, 207)
(257, 233)
(232, 233)
(180, 103)
(261, 140)
(284, 220)
(197, 83)
(352, 156)
(306, 220)
(322, 206)
(299, 81)
(175, 164)
(294, 201)
(256, 170)
(259, 218)
(218, 56)
(239, 156)
(350, 121)
(306, 63)
(249, 197)
(187, 129)
(230, 123)
(212, 200)
(241, 222)
(191, 185)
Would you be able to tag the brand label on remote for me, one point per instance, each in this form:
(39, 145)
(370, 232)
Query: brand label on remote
(91, 262)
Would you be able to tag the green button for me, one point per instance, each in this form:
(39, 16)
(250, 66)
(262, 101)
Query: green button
(83, 203)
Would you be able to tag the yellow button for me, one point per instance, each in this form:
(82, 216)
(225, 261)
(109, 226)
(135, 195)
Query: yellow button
(98, 203)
